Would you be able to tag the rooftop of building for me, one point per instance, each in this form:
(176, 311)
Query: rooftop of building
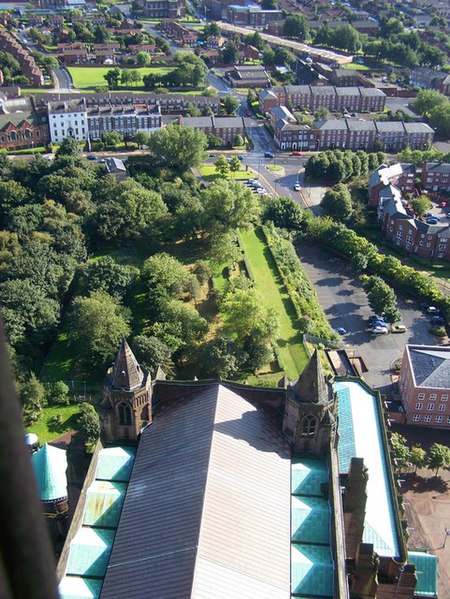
(361, 433)
(430, 365)
(438, 167)
(50, 465)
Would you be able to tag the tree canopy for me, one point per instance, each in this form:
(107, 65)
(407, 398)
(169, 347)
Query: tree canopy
(178, 148)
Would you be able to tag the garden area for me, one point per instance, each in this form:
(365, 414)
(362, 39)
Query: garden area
(210, 173)
(91, 78)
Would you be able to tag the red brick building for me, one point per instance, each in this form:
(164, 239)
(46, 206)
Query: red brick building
(400, 175)
(22, 126)
(424, 385)
(30, 70)
(436, 176)
(178, 33)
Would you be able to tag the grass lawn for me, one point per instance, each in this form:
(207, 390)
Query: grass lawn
(267, 280)
(357, 67)
(47, 432)
(275, 168)
(89, 78)
(209, 173)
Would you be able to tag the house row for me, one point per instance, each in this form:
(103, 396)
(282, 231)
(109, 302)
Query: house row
(430, 79)
(111, 53)
(180, 34)
(160, 9)
(30, 69)
(248, 76)
(85, 122)
(350, 134)
(311, 97)
(397, 223)
(251, 16)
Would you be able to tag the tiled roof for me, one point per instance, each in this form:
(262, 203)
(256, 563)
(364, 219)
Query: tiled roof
(430, 366)
(50, 465)
(126, 373)
(311, 386)
(426, 572)
(194, 521)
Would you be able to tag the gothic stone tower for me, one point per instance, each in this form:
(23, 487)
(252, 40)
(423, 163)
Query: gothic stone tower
(126, 406)
(309, 417)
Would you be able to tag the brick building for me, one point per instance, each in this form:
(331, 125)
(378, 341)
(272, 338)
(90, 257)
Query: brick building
(178, 33)
(30, 69)
(225, 127)
(426, 78)
(400, 175)
(312, 97)
(287, 133)
(424, 385)
(251, 16)
(162, 9)
(248, 76)
(436, 176)
(21, 125)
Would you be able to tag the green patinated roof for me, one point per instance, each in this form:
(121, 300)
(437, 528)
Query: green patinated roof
(74, 587)
(89, 552)
(310, 520)
(312, 571)
(50, 465)
(104, 503)
(115, 463)
(426, 572)
(308, 474)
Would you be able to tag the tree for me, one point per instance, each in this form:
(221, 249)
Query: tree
(222, 166)
(105, 274)
(178, 148)
(224, 248)
(164, 276)
(440, 119)
(88, 423)
(193, 110)
(382, 298)
(418, 457)
(141, 138)
(98, 325)
(230, 53)
(420, 205)
(345, 37)
(135, 76)
(125, 76)
(143, 59)
(112, 78)
(296, 26)
(69, 147)
(338, 203)
(58, 394)
(322, 113)
(254, 39)
(220, 358)
(231, 104)
(238, 141)
(152, 353)
(211, 29)
(32, 394)
(438, 457)
(401, 451)
(427, 99)
(111, 139)
(214, 141)
(283, 212)
(235, 164)
(228, 205)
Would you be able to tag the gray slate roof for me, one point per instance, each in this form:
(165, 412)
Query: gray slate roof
(430, 366)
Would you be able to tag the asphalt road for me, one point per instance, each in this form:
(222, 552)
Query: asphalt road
(345, 304)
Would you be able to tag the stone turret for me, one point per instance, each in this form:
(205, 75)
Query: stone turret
(127, 397)
(309, 417)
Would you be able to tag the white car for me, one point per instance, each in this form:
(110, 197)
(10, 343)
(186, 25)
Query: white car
(379, 331)
(297, 187)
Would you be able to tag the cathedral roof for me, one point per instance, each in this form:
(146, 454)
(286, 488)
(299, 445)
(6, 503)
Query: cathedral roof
(50, 465)
(311, 386)
(126, 372)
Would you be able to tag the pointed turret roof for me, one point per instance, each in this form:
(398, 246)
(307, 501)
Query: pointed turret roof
(50, 465)
(311, 386)
(126, 372)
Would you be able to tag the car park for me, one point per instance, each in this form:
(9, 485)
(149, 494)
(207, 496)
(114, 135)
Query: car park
(379, 330)
(297, 187)
(398, 328)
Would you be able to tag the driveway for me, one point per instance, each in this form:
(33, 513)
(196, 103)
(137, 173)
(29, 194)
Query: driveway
(345, 304)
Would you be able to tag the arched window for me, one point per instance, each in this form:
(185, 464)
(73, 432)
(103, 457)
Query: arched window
(309, 424)
(27, 134)
(13, 136)
(124, 414)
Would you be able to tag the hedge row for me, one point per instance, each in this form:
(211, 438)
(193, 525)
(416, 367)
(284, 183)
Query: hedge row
(338, 238)
(311, 317)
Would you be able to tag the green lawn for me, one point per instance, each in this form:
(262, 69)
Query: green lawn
(357, 67)
(47, 432)
(268, 281)
(89, 78)
(208, 172)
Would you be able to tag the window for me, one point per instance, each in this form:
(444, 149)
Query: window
(416, 418)
(444, 397)
(419, 406)
(430, 407)
(442, 407)
(308, 426)
(438, 419)
(124, 414)
(427, 418)
(433, 396)
(421, 396)
(448, 419)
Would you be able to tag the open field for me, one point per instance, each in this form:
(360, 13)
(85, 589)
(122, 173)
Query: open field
(209, 173)
(267, 280)
(89, 78)
(357, 67)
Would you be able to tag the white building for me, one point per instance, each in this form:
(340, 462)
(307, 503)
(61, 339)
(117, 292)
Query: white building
(68, 119)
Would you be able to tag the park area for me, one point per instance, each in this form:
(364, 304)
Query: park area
(90, 78)
(210, 173)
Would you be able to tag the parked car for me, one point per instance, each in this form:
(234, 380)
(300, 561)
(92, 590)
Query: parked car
(297, 187)
(379, 331)
(240, 158)
(268, 155)
(296, 153)
(433, 310)
(341, 331)
(91, 157)
(379, 323)
(438, 320)
(398, 328)
(376, 317)
(432, 220)
(448, 214)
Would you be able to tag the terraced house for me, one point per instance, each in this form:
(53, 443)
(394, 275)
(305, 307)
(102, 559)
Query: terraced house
(166, 513)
